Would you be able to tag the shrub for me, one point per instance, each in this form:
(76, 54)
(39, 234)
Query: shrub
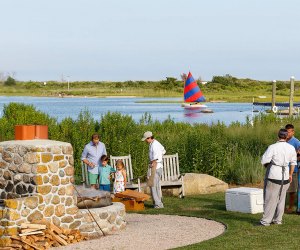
(231, 153)
(10, 81)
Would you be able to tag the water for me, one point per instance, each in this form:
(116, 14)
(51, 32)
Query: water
(71, 107)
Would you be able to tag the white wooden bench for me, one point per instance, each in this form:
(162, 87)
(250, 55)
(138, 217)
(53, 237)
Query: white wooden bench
(129, 173)
(171, 174)
(113, 159)
(85, 177)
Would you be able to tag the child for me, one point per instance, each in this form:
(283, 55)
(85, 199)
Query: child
(120, 177)
(104, 172)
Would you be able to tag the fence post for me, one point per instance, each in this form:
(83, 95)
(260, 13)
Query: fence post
(273, 93)
(291, 96)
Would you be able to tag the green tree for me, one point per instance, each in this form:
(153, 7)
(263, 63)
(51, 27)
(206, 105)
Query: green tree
(10, 81)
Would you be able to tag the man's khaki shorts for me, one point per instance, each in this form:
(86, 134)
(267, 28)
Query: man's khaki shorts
(294, 184)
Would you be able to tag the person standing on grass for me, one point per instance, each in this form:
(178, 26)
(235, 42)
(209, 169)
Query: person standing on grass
(105, 172)
(291, 139)
(279, 160)
(156, 152)
(91, 157)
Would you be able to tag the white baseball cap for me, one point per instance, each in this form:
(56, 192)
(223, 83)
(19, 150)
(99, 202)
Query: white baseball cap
(147, 135)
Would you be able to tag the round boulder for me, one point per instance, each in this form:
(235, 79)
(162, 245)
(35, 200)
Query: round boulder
(203, 184)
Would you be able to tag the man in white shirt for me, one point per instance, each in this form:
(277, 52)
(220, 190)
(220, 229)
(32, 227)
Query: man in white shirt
(156, 152)
(278, 177)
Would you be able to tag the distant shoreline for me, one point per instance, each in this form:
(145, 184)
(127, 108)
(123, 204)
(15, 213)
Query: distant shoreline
(128, 96)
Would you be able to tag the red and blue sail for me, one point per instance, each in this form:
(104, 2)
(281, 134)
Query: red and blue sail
(192, 92)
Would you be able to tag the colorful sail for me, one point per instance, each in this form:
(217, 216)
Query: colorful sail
(192, 92)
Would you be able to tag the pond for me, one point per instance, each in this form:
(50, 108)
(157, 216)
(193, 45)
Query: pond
(159, 108)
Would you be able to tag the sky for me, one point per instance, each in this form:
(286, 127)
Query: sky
(120, 40)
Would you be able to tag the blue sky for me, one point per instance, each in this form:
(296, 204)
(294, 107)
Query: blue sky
(122, 40)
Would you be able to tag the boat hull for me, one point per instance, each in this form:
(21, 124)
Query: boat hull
(193, 105)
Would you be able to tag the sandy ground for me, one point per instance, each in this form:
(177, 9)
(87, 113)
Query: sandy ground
(154, 232)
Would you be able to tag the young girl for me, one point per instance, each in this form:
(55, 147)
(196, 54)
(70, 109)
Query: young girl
(120, 177)
(105, 171)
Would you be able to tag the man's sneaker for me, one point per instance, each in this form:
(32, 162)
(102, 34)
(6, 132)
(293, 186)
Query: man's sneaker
(262, 225)
(277, 222)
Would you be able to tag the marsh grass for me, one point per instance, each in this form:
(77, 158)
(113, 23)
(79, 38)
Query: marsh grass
(220, 88)
(231, 153)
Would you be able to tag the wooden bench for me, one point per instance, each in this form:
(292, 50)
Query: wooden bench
(171, 176)
(113, 159)
(129, 173)
(85, 177)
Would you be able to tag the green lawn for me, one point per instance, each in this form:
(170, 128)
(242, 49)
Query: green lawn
(241, 233)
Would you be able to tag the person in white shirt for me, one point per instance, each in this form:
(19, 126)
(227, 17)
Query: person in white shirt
(278, 176)
(156, 152)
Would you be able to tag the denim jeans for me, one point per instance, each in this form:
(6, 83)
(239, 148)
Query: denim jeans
(105, 187)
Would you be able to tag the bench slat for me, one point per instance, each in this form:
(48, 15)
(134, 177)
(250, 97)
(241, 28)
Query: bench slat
(171, 183)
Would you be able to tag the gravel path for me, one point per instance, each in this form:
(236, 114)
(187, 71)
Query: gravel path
(154, 232)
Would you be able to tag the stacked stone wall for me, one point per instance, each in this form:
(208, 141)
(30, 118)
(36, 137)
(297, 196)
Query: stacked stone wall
(37, 183)
(109, 219)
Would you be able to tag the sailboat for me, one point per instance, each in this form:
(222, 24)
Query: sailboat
(193, 96)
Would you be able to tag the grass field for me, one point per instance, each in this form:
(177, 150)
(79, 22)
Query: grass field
(241, 233)
(228, 89)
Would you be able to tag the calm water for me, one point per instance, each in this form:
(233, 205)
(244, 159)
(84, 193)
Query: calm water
(71, 107)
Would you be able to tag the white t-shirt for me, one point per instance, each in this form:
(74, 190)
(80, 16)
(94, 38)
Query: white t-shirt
(156, 152)
(281, 154)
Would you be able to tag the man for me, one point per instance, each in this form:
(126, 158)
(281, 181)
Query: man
(280, 160)
(294, 184)
(91, 157)
(156, 152)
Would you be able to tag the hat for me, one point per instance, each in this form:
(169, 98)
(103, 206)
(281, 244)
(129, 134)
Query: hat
(147, 135)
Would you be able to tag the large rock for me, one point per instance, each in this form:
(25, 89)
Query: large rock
(202, 184)
(193, 184)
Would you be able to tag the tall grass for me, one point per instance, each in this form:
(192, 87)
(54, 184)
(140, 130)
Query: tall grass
(231, 153)
(226, 88)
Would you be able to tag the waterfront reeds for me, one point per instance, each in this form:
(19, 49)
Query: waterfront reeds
(224, 88)
(231, 153)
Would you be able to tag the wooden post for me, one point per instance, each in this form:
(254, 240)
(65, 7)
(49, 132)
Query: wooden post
(291, 96)
(273, 93)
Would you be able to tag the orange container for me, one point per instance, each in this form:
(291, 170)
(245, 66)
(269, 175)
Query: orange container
(41, 132)
(130, 205)
(24, 132)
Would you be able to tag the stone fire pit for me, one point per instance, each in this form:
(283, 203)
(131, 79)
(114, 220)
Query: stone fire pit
(36, 182)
